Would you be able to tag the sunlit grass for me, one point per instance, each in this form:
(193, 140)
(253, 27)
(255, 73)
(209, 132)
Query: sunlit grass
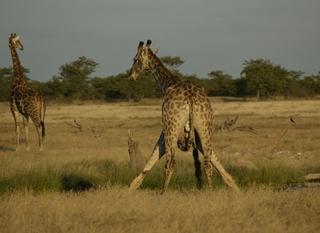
(86, 175)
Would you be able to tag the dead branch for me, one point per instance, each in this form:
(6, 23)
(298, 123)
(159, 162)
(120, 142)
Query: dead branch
(283, 132)
(245, 128)
(230, 125)
(96, 131)
(75, 124)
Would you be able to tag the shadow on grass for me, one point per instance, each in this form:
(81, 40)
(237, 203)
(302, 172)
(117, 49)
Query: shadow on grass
(75, 183)
(6, 149)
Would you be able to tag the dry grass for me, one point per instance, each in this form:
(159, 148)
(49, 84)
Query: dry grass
(116, 210)
(98, 157)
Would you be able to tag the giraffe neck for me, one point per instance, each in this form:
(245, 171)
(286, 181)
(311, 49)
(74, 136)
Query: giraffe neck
(18, 76)
(162, 75)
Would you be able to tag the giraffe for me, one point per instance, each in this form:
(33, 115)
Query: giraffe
(24, 100)
(187, 118)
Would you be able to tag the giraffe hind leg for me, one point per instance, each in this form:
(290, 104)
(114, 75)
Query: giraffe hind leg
(26, 131)
(42, 116)
(207, 165)
(170, 163)
(40, 138)
(197, 165)
(38, 125)
(208, 169)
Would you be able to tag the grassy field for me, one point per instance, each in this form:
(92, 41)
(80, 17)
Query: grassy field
(80, 182)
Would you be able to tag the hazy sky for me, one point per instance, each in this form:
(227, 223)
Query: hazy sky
(207, 34)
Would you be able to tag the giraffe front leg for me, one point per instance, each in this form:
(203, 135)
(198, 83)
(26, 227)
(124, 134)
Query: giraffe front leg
(157, 153)
(26, 131)
(39, 127)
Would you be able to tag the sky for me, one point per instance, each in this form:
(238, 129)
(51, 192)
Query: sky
(207, 34)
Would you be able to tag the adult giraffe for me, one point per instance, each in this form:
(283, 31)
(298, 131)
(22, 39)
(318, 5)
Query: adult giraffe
(23, 99)
(186, 121)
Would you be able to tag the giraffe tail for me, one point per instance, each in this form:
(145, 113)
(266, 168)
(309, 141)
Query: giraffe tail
(43, 129)
(191, 132)
(42, 115)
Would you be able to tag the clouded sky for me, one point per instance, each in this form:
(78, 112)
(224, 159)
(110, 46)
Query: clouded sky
(207, 34)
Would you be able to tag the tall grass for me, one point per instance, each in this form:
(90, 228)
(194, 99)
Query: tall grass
(86, 174)
(114, 209)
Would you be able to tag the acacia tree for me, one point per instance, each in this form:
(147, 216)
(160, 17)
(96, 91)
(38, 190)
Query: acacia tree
(222, 84)
(263, 78)
(74, 77)
(173, 63)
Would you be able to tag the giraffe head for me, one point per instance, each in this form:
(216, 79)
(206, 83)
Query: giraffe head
(141, 61)
(14, 41)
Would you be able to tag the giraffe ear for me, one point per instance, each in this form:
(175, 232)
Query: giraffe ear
(149, 43)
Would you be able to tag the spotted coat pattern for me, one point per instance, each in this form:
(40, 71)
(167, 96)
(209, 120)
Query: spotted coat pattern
(187, 120)
(25, 101)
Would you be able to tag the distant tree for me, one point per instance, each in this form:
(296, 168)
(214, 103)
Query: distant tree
(54, 88)
(309, 85)
(172, 62)
(74, 78)
(222, 84)
(119, 87)
(116, 87)
(263, 78)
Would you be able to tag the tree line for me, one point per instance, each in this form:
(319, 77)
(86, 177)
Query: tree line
(259, 78)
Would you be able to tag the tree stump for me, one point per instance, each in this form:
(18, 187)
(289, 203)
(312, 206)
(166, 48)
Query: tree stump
(136, 161)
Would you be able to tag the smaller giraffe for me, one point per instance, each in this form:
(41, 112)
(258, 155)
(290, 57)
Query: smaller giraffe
(24, 100)
(187, 118)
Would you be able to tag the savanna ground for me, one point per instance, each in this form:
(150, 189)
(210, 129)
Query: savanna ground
(80, 182)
